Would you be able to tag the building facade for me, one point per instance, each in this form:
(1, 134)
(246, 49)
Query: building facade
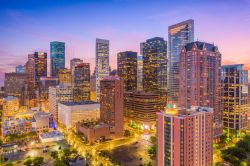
(127, 69)
(60, 93)
(73, 63)
(140, 108)
(178, 36)
(57, 57)
(11, 106)
(200, 79)
(64, 76)
(14, 84)
(111, 104)
(139, 72)
(82, 82)
(235, 97)
(102, 63)
(70, 113)
(155, 61)
(20, 69)
(185, 137)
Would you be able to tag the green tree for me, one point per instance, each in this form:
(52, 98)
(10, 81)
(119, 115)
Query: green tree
(149, 164)
(237, 152)
(244, 145)
(59, 163)
(54, 154)
(28, 162)
(66, 152)
(8, 164)
(153, 139)
(38, 161)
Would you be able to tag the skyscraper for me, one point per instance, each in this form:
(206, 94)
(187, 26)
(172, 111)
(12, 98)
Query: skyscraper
(178, 36)
(73, 63)
(127, 69)
(57, 57)
(139, 72)
(185, 137)
(111, 104)
(235, 97)
(14, 83)
(60, 93)
(154, 52)
(36, 67)
(101, 62)
(200, 79)
(82, 82)
(64, 76)
(20, 69)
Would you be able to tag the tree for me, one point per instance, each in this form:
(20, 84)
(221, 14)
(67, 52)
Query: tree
(28, 162)
(237, 152)
(149, 164)
(66, 152)
(153, 139)
(231, 159)
(244, 145)
(152, 151)
(8, 164)
(59, 163)
(127, 133)
(38, 161)
(54, 154)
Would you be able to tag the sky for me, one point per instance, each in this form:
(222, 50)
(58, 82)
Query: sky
(30, 25)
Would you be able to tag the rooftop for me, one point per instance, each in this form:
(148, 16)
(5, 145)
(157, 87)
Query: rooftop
(50, 134)
(79, 103)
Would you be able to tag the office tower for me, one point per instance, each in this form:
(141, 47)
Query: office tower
(14, 83)
(154, 53)
(235, 97)
(92, 88)
(57, 57)
(127, 69)
(60, 93)
(44, 84)
(140, 108)
(178, 36)
(82, 82)
(73, 63)
(11, 106)
(20, 69)
(185, 137)
(64, 76)
(139, 72)
(200, 79)
(249, 96)
(111, 104)
(101, 62)
(36, 67)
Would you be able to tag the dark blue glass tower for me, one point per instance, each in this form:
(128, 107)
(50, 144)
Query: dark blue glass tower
(57, 57)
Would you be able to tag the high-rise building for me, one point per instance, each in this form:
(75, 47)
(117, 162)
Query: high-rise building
(178, 36)
(111, 104)
(64, 76)
(82, 82)
(60, 93)
(57, 57)
(14, 84)
(102, 63)
(235, 97)
(140, 108)
(185, 137)
(200, 79)
(36, 67)
(20, 69)
(92, 88)
(127, 69)
(44, 84)
(139, 72)
(73, 63)
(154, 52)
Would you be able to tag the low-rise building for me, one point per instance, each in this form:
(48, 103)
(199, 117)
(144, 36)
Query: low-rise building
(43, 121)
(16, 126)
(94, 132)
(69, 113)
(51, 136)
(10, 106)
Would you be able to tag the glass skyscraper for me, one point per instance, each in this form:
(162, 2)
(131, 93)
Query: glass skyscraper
(57, 57)
(178, 36)
(235, 97)
(154, 52)
(102, 63)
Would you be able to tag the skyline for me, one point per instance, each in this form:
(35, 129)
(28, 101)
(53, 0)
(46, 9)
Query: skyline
(30, 26)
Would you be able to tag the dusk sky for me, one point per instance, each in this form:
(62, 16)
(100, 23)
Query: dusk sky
(27, 26)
